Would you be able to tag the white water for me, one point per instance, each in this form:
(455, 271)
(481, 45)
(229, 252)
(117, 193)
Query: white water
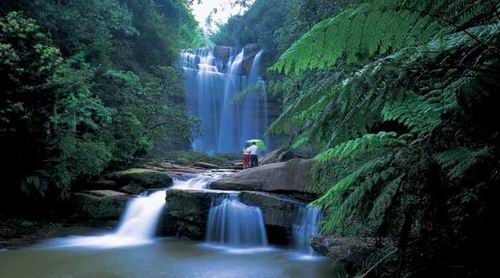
(137, 226)
(211, 84)
(235, 224)
(306, 226)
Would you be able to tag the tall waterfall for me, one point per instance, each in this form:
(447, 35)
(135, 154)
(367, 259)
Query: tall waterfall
(230, 101)
(306, 226)
(235, 224)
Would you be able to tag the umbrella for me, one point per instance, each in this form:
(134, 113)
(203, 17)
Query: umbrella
(260, 144)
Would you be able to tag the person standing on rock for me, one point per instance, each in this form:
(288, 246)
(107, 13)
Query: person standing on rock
(254, 158)
(246, 157)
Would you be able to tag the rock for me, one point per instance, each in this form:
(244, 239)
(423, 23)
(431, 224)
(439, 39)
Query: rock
(205, 165)
(101, 184)
(289, 177)
(271, 157)
(187, 212)
(287, 155)
(222, 52)
(350, 252)
(99, 204)
(145, 178)
(279, 213)
(132, 189)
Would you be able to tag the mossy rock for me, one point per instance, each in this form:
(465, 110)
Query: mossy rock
(99, 204)
(145, 178)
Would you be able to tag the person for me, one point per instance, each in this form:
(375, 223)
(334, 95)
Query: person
(254, 159)
(246, 157)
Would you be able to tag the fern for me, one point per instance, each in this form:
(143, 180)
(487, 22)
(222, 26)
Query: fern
(368, 141)
(457, 161)
(342, 200)
(377, 27)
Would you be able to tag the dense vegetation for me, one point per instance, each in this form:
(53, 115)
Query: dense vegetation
(87, 86)
(399, 98)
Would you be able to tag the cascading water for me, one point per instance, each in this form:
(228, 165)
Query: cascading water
(229, 132)
(212, 85)
(137, 226)
(306, 226)
(235, 224)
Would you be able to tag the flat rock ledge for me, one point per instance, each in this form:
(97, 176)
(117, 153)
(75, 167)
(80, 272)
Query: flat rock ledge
(289, 178)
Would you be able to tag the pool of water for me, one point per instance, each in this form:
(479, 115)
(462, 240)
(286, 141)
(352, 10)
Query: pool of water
(161, 258)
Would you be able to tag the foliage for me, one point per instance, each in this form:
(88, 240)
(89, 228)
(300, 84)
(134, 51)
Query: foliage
(87, 86)
(378, 27)
(398, 95)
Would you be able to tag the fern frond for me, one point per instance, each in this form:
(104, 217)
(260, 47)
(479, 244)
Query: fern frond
(457, 161)
(368, 141)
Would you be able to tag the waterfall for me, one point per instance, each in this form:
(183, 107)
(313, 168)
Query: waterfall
(306, 226)
(250, 125)
(232, 107)
(197, 181)
(233, 223)
(228, 128)
(137, 226)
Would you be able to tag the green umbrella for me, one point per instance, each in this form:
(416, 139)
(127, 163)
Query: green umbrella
(260, 144)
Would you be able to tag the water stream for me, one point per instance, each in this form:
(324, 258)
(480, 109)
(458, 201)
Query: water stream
(235, 224)
(232, 226)
(137, 226)
(306, 226)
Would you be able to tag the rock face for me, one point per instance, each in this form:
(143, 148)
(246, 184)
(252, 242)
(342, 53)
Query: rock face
(145, 178)
(187, 212)
(350, 252)
(99, 204)
(289, 177)
(279, 213)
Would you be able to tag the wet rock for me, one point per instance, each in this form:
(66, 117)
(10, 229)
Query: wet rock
(205, 165)
(279, 213)
(222, 52)
(187, 212)
(350, 252)
(289, 178)
(278, 210)
(132, 189)
(99, 204)
(146, 178)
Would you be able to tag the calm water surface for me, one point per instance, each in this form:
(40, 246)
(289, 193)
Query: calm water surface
(163, 258)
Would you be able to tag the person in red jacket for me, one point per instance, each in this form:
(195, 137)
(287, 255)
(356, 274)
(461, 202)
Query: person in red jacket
(246, 158)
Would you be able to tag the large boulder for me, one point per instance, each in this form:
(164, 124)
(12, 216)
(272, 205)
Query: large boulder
(290, 178)
(188, 210)
(279, 213)
(146, 178)
(99, 204)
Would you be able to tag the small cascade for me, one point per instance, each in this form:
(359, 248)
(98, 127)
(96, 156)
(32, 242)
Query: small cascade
(306, 226)
(137, 226)
(233, 223)
(227, 95)
(198, 181)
